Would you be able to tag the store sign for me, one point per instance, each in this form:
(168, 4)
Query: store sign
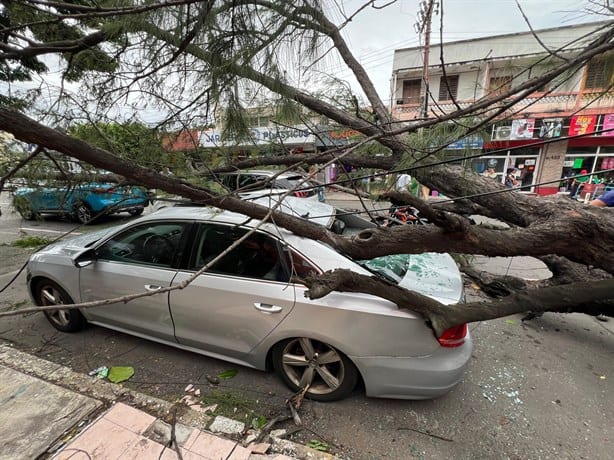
(469, 142)
(608, 125)
(550, 128)
(337, 137)
(582, 124)
(523, 128)
(259, 136)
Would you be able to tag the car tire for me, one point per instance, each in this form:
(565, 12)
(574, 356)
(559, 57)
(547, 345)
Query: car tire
(136, 212)
(328, 372)
(83, 213)
(24, 208)
(47, 293)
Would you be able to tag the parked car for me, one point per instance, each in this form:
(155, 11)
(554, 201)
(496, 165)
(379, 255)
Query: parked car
(249, 307)
(83, 202)
(248, 181)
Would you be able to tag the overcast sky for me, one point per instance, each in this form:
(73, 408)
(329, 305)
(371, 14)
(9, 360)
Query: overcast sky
(375, 33)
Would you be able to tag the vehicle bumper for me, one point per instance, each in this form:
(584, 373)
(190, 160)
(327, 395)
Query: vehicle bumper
(414, 377)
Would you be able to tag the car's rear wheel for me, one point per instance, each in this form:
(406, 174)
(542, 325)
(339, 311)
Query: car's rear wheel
(327, 373)
(83, 213)
(136, 212)
(47, 293)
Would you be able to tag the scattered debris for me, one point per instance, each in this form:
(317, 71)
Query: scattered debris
(427, 432)
(226, 425)
(259, 448)
(100, 372)
(212, 380)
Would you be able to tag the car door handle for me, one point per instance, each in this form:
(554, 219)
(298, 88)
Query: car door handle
(267, 307)
(152, 287)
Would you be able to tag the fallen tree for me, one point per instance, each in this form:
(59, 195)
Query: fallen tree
(538, 226)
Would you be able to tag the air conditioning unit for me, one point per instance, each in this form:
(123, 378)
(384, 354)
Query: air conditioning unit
(502, 133)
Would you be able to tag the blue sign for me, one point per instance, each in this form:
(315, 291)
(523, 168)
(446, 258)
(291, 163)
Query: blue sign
(469, 142)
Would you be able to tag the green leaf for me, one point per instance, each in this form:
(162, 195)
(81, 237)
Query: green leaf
(258, 422)
(120, 373)
(230, 373)
(318, 445)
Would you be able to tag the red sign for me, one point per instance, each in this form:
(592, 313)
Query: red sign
(582, 124)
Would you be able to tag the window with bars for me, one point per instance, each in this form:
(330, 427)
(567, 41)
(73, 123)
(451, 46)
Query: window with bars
(411, 91)
(448, 88)
(598, 74)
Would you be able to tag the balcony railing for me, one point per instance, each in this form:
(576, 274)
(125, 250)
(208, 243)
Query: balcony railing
(537, 103)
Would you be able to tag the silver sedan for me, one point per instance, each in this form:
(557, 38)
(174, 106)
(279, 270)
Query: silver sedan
(249, 306)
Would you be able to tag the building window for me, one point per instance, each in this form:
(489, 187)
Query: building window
(448, 88)
(598, 74)
(499, 85)
(411, 91)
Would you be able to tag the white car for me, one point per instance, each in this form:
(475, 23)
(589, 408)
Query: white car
(250, 307)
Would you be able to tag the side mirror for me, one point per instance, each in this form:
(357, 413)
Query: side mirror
(85, 258)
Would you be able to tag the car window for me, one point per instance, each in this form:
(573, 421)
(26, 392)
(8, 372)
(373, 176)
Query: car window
(241, 181)
(298, 265)
(256, 257)
(151, 243)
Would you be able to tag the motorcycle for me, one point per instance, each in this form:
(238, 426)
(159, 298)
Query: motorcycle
(401, 215)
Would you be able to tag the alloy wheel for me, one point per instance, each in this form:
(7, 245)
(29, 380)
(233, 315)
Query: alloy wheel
(314, 365)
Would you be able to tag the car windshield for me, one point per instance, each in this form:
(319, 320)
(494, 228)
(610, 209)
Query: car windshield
(392, 267)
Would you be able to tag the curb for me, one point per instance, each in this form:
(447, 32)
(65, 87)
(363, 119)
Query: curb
(110, 393)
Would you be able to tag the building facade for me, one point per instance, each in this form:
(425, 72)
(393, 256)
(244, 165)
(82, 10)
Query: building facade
(561, 130)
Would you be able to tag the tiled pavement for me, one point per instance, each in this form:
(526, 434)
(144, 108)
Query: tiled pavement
(124, 432)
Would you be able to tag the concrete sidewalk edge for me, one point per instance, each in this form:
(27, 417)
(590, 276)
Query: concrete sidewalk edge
(110, 393)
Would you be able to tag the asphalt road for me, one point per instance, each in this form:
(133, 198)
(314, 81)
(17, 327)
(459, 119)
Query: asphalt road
(538, 390)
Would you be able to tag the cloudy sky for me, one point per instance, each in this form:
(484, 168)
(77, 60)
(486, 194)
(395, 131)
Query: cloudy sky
(386, 25)
(374, 34)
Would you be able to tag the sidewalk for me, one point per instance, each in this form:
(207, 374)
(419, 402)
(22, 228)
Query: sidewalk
(87, 418)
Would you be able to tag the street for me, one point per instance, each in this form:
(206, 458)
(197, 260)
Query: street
(535, 390)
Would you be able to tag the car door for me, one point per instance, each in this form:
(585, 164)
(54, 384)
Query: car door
(239, 300)
(138, 259)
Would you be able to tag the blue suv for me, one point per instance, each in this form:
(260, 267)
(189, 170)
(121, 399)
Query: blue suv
(83, 202)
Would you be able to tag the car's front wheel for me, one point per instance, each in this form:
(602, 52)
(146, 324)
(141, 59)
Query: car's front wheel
(303, 363)
(47, 293)
(83, 213)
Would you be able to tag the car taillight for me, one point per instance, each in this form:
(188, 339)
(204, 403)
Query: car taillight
(300, 194)
(453, 337)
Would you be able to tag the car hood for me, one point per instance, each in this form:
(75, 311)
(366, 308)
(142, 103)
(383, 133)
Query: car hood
(77, 244)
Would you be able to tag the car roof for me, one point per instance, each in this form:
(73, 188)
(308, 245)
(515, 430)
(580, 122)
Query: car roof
(267, 173)
(314, 211)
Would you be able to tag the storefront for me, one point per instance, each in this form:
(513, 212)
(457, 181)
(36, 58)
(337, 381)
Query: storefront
(524, 161)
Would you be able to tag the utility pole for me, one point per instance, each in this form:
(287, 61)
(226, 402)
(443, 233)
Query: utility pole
(423, 26)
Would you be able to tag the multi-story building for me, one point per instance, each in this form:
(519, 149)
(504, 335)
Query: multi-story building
(578, 103)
